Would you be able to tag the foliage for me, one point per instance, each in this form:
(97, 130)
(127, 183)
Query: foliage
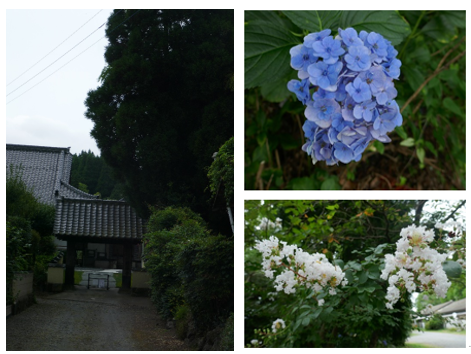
(182, 318)
(20, 200)
(30, 245)
(355, 235)
(165, 104)
(431, 94)
(189, 266)
(221, 172)
(227, 337)
(18, 234)
(436, 322)
(91, 174)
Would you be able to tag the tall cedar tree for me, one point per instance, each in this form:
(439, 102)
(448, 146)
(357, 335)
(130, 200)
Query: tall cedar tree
(165, 104)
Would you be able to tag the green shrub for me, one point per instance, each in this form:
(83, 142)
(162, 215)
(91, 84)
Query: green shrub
(189, 266)
(436, 322)
(207, 271)
(182, 318)
(227, 336)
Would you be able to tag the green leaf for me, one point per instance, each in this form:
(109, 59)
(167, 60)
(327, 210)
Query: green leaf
(331, 183)
(349, 275)
(302, 183)
(408, 142)
(354, 265)
(421, 55)
(400, 131)
(452, 269)
(387, 23)
(413, 76)
(306, 321)
(314, 21)
(452, 106)
(379, 146)
(277, 91)
(420, 154)
(363, 277)
(432, 149)
(316, 313)
(296, 324)
(340, 263)
(267, 57)
(443, 28)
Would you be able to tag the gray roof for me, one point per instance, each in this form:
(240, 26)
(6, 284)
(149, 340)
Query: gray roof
(44, 169)
(104, 219)
(448, 307)
(78, 214)
(453, 306)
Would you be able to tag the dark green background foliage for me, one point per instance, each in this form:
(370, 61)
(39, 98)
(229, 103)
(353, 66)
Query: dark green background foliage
(355, 235)
(189, 267)
(93, 172)
(165, 104)
(427, 152)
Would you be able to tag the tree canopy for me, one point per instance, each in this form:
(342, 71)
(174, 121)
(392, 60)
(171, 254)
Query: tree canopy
(165, 103)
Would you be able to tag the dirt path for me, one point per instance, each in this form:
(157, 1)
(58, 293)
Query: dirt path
(92, 319)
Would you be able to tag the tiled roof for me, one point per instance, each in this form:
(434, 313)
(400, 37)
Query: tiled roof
(44, 169)
(106, 219)
(47, 171)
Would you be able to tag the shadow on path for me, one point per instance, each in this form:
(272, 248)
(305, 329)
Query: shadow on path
(94, 319)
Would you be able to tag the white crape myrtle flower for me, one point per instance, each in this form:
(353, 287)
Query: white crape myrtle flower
(254, 342)
(279, 323)
(414, 266)
(320, 302)
(451, 224)
(314, 271)
(266, 224)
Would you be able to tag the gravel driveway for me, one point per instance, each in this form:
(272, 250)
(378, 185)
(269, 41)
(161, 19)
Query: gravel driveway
(94, 319)
(438, 340)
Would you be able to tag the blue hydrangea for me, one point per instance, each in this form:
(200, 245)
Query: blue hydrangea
(346, 84)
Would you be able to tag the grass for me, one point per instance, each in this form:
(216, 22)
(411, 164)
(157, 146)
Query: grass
(416, 345)
(462, 333)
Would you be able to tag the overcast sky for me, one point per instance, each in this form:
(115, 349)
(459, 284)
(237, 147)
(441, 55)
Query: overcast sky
(52, 113)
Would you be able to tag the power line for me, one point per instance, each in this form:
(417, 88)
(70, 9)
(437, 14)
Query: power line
(52, 50)
(72, 58)
(24, 83)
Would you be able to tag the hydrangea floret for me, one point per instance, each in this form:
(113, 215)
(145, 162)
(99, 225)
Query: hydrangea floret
(298, 267)
(346, 84)
(414, 266)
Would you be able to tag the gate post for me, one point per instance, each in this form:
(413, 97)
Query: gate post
(70, 263)
(127, 264)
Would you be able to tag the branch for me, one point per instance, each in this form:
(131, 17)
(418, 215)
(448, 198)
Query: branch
(418, 211)
(437, 71)
(454, 211)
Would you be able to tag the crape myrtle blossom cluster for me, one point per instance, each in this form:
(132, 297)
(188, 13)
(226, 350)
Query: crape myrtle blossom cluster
(347, 86)
(266, 224)
(414, 266)
(298, 267)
